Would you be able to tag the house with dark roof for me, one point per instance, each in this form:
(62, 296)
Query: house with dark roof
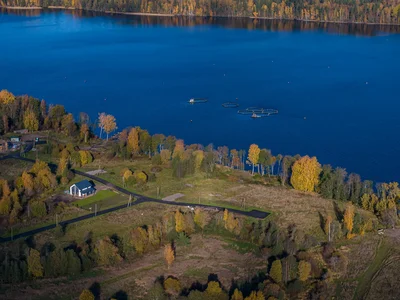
(82, 189)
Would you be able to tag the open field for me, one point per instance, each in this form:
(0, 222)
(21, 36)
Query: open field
(234, 189)
(12, 168)
(195, 262)
(103, 199)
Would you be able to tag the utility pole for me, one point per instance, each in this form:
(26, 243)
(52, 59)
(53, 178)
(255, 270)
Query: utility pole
(12, 233)
(56, 220)
(95, 210)
(129, 201)
(158, 192)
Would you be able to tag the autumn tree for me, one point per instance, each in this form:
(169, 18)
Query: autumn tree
(68, 126)
(254, 153)
(133, 141)
(172, 286)
(165, 156)
(276, 271)
(84, 132)
(305, 173)
(86, 295)
(200, 218)
(6, 97)
(140, 240)
(35, 267)
(179, 222)
(304, 270)
(179, 149)
(28, 184)
(348, 220)
(31, 121)
(109, 124)
(214, 291)
(169, 255)
(237, 295)
(255, 295)
(106, 252)
(198, 156)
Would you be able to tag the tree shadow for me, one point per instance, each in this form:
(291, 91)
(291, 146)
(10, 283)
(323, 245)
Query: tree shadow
(321, 221)
(120, 295)
(338, 211)
(95, 289)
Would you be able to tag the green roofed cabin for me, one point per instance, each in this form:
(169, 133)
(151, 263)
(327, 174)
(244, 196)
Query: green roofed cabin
(82, 189)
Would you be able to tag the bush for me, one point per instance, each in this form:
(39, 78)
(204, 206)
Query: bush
(38, 209)
(156, 160)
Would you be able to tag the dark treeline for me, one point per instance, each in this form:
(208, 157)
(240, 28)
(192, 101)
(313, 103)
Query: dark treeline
(364, 11)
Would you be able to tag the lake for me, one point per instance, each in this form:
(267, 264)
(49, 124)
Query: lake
(336, 86)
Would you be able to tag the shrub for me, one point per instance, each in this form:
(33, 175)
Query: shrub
(38, 209)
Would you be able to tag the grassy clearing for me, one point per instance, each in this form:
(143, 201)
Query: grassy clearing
(99, 196)
(364, 281)
(12, 168)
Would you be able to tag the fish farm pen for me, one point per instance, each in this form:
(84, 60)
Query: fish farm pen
(230, 105)
(257, 112)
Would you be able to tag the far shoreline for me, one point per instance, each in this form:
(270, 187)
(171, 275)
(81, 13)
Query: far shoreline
(109, 12)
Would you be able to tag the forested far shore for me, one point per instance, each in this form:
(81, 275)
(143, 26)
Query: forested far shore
(350, 11)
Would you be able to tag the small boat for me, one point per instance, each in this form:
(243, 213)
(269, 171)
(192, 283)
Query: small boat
(255, 116)
(197, 100)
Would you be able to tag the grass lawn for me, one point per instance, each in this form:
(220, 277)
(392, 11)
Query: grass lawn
(99, 196)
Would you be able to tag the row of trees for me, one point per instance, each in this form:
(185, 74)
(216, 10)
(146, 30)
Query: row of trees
(24, 112)
(24, 195)
(368, 11)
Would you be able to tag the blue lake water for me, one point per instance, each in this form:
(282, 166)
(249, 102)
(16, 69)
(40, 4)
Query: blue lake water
(344, 79)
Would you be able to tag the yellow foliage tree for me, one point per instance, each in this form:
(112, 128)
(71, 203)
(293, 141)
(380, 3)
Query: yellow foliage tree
(140, 177)
(305, 173)
(304, 270)
(86, 295)
(165, 156)
(169, 255)
(348, 220)
(84, 132)
(179, 149)
(179, 221)
(255, 295)
(254, 154)
(198, 158)
(276, 271)
(27, 181)
(213, 290)
(172, 286)
(200, 218)
(237, 295)
(109, 124)
(6, 97)
(365, 199)
(35, 267)
(133, 141)
(139, 240)
(31, 122)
